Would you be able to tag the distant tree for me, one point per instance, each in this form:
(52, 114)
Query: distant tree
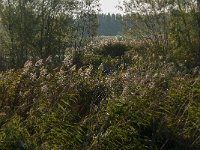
(110, 25)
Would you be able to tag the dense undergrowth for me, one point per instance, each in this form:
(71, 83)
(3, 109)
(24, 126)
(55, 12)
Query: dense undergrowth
(101, 100)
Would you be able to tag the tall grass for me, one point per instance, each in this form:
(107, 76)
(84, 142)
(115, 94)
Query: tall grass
(97, 100)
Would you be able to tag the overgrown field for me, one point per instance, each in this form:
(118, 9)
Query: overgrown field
(111, 96)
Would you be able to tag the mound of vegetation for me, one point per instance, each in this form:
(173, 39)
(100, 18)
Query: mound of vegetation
(113, 49)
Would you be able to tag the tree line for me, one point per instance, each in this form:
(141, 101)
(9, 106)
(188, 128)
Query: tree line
(110, 24)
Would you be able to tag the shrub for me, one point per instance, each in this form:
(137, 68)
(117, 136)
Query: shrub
(116, 49)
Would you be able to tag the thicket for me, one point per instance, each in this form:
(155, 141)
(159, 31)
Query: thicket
(41, 28)
(170, 28)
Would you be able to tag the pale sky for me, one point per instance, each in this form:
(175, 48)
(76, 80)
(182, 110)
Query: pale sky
(109, 6)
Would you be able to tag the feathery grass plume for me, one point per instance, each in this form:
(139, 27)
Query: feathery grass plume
(39, 63)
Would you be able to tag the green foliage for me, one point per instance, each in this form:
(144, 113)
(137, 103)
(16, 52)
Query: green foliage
(15, 136)
(111, 95)
(113, 49)
(115, 94)
(170, 28)
(44, 28)
(135, 101)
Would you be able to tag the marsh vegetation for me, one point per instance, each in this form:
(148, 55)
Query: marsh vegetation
(63, 88)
